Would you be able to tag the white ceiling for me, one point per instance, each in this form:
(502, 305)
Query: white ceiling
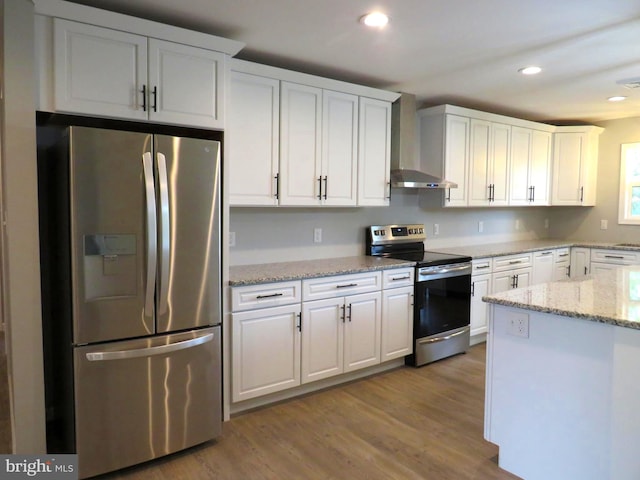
(464, 52)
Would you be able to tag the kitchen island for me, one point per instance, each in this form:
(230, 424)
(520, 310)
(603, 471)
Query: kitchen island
(562, 389)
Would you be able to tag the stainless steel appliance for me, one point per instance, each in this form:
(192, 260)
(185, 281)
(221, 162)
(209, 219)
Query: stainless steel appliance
(131, 291)
(442, 291)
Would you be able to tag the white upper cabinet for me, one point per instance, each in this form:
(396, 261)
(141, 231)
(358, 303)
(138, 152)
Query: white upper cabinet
(105, 64)
(99, 71)
(253, 139)
(374, 159)
(456, 159)
(187, 84)
(575, 165)
(489, 163)
(530, 167)
(105, 72)
(300, 147)
(306, 144)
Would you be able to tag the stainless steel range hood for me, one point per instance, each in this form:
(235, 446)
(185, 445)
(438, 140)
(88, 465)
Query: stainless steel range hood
(404, 154)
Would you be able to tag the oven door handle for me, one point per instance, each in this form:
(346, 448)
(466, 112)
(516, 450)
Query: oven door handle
(466, 266)
(442, 339)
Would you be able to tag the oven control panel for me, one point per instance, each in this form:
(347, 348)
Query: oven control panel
(385, 234)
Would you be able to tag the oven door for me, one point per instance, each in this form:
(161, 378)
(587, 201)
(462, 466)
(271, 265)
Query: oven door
(442, 302)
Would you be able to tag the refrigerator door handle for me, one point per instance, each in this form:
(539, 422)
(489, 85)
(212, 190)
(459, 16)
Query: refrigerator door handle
(149, 351)
(165, 233)
(152, 233)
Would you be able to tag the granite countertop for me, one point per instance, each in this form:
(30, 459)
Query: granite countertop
(611, 297)
(526, 246)
(282, 271)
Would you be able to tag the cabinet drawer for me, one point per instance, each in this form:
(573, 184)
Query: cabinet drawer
(265, 295)
(482, 265)
(340, 286)
(397, 277)
(562, 255)
(618, 257)
(510, 262)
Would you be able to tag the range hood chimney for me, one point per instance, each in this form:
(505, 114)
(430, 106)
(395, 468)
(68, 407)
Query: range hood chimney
(405, 159)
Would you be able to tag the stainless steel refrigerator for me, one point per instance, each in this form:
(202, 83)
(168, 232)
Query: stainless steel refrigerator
(143, 266)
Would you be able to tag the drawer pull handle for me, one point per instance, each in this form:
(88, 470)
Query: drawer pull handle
(270, 296)
(546, 253)
(617, 257)
(400, 278)
(513, 262)
(563, 255)
(481, 267)
(347, 285)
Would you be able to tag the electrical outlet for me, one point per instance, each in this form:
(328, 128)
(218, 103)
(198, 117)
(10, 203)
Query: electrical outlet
(518, 224)
(546, 223)
(232, 239)
(604, 224)
(436, 229)
(480, 227)
(519, 326)
(317, 235)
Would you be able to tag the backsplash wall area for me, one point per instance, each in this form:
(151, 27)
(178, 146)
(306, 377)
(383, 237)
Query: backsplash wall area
(265, 235)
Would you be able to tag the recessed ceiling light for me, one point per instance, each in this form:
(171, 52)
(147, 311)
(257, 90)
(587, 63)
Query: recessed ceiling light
(617, 98)
(375, 19)
(531, 70)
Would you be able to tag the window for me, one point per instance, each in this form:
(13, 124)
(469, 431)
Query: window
(629, 207)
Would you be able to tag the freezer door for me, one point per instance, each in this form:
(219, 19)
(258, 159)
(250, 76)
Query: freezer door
(188, 184)
(141, 399)
(111, 193)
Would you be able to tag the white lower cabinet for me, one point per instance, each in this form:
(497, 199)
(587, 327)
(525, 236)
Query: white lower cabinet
(340, 335)
(480, 286)
(561, 264)
(266, 351)
(285, 334)
(580, 261)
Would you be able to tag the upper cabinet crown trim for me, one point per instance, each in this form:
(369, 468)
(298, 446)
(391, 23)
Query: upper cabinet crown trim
(126, 23)
(312, 80)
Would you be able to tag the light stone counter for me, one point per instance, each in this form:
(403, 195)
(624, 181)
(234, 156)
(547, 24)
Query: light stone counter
(525, 246)
(283, 271)
(611, 297)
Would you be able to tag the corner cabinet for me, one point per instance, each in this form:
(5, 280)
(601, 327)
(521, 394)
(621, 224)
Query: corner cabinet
(106, 72)
(308, 141)
(575, 166)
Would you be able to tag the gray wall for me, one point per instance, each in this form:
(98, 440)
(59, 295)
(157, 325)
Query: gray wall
(274, 234)
(578, 223)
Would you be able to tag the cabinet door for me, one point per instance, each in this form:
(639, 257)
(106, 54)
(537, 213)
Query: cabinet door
(502, 281)
(456, 160)
(265, 351)
(499, 160)
(519, 192)
(253, 139)
(523, 277)
(567, 167)
(543, 267)
(480, 286)
(322, 349)
(397, 323)
(185, 85)
(362, 331)
(580, 261)
(479, 148)
(540, 167)
(374, 152)
(339, 148)
(560, 271)
(300, 137)
(98, 71)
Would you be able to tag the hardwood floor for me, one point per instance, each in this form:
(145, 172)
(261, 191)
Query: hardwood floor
(424, 423)
(5, 409)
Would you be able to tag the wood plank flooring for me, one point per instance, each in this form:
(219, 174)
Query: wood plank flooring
(424, 423)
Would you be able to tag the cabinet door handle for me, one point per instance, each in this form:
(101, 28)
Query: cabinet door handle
(516, 278)
(349, 307)
(343, 313)
(155, 99)
(448, 197)
(585, 270)
(568, 270)
(325, 187)
(144, 98)
(347, 285)
(533, 193)
(581, 194)
(270, 295)
(473, 289)
(299, 322)
(277, 179)
(320, 187)
(389, 187)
